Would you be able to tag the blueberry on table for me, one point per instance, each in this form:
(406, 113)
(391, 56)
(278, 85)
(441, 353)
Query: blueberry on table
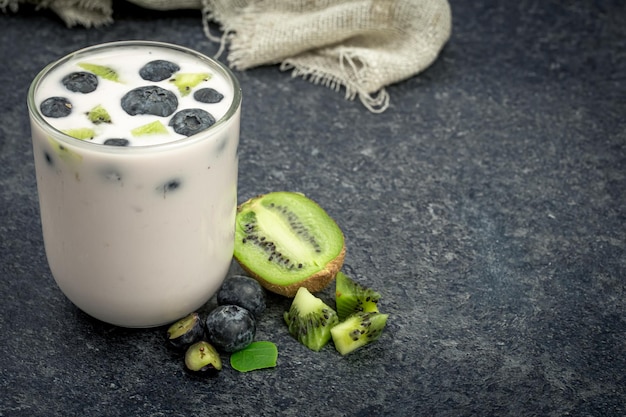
(117, 142)
(158, 70)
(191, 121)
(150, 99)
(186, 331)
(243, 291)
(208, 95)
(80, 82)
(56, 107)
(230, 327)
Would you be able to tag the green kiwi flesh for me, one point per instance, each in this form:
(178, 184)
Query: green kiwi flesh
(287, 241)
(185, 82)
(358, 330)
(351, 297)
(310, 320)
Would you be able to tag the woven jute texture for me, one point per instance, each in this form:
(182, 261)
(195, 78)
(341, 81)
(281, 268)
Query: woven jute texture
(361, 46)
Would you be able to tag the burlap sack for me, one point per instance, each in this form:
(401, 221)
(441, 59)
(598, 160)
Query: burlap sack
(361, 46)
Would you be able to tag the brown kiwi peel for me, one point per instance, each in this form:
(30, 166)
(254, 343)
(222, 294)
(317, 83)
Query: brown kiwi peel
(262, 232)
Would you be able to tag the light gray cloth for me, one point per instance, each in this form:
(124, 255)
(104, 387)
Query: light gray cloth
(361, 46)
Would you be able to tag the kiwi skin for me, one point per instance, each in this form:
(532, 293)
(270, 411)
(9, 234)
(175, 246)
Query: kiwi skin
(315, 282)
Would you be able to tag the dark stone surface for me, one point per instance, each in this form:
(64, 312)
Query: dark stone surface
(487, 205)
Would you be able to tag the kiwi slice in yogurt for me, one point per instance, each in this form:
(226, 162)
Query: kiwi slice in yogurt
(152, 128)
(82, 133)
(101, 71)
(98, 115)
(286, 241)
(185, 82)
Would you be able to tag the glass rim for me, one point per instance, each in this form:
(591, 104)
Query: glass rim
(36, 115)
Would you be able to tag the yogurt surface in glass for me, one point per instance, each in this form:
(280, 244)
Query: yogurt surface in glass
(140, 232)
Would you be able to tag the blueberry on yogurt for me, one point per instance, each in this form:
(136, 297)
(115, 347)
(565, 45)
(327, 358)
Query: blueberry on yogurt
(150, 99)
(158, 70)
(208, 95)
(80, 82)
(117, 142)
(191, 121)
(56, 107)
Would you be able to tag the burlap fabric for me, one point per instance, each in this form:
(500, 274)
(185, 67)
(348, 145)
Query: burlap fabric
(361, 46)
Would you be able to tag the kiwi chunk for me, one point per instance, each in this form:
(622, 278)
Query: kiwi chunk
(101, 71)
(287, 241)
(358, 330)
(82, 133)
(310, 320)
(185, 82)
(98, 115)
(153, 128)
(351, 297)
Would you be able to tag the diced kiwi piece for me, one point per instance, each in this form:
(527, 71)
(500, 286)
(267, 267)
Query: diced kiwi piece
(64, 153)
(101, 71)
(185, 82)
(287, 241)
(185, 331)
(82, 133)
(351, 297)
(310, 320)
(98, 115)
(358, 330)
(152, 128)
(202, 357)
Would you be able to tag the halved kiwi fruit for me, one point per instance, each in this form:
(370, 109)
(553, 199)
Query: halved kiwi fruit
(352, 297)
(310, 320)
(287, 241)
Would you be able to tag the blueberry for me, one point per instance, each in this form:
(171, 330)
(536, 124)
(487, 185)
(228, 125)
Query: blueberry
(169, 186)
(80, 82)
(230, 327)
(191, 121)
(117, 142)
(243, 291)
(56, 107)
(208, 95)
(158, 70)
(48, 158)
(150, 99)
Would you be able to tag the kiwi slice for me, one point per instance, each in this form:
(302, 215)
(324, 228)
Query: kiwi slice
(185, 82)
(98, 115)
(351, 297)
(82, 133)
(153, 128)
(358, 330)
(287, 241)
(101, 71)
(310, 320)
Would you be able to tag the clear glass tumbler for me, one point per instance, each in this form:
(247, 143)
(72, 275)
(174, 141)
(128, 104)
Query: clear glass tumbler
(136, 236)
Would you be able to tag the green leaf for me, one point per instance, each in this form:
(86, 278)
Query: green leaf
(258, 355)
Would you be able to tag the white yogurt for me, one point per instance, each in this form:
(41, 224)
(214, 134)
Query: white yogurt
(142, 235)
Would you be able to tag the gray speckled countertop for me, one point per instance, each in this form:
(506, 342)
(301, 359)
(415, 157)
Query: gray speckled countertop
(487, 205)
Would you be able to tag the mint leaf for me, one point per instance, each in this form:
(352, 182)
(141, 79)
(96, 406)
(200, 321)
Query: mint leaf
(257, 355)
